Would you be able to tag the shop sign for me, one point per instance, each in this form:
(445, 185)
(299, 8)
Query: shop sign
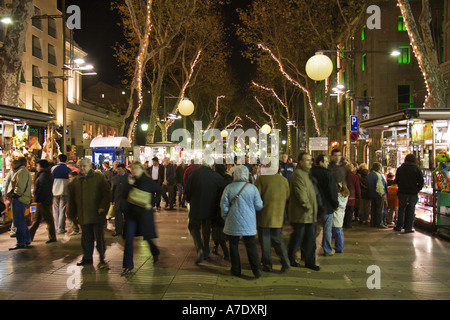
(318, 143)
(422, 131)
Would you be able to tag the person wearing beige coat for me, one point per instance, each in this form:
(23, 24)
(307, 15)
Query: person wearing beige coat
(274, 191)
(303, 209)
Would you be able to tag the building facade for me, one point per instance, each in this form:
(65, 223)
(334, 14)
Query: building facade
(383, 82)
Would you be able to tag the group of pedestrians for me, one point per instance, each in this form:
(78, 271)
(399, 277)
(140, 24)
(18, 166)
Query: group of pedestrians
(226, 203)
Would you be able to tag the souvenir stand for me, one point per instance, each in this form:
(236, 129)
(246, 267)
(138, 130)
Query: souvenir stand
(25, 133)
(109, 149)
(423, 132)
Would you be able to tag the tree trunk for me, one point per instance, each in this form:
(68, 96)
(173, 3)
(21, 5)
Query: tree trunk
(12, 50)
(426, 54)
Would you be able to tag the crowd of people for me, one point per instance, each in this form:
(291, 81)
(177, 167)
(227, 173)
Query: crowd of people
(226, 203)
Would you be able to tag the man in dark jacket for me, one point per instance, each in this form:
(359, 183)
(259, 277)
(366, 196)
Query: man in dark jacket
(201, 192)
(156, 172)
(89, 201)
(410, 181)
(336, 166)
(286, 168)
(328, 191)
(119, 183)
(169, 183)
(44, 199)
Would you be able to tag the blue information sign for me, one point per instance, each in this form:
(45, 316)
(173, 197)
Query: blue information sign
(353, 123)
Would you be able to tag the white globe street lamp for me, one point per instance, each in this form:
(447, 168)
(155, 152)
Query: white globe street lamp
(186, 107)
(266, 129)
(319, 67)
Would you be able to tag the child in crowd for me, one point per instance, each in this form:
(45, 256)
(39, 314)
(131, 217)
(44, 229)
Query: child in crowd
(338, 217)
(392, 199)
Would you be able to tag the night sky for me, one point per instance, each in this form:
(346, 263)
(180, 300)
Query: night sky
(99, 32)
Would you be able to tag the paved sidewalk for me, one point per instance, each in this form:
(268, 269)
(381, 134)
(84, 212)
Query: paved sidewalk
(411, 266)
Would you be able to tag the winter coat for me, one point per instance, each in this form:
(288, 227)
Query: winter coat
(409, 179)
(354, 188)
(240, 218)
(145, 218)
(302, 201)
(339, 172)
(61, 179)
(119, 185)
(392, 196)
(274, 191)
(286, 170)
(88, 194)
(20, 185)
(372, 183)
(169, 174)
(202, 191)
(43, 187)
(338, 215)
(327, 188)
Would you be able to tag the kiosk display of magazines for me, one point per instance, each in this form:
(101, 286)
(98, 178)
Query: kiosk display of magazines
(424, 132)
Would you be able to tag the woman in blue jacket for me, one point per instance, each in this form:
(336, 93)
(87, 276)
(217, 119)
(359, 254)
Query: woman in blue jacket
(239, 203)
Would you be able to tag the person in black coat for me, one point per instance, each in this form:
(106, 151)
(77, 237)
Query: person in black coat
(43, 197)
(329, 194)
(201, 192)
(217, 223)
(409, 179)
(139, 221)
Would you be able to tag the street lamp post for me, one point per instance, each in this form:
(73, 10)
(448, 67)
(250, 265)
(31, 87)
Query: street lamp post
(318, 68)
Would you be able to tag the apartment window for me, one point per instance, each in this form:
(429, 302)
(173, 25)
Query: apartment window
(401, 24)
(405, 55)
(51, 82)
(52, 28)
(37, 22)
(364, 62)
(51, 55)
(404, 97)
(22, 76)
(37, 51)
(36, 77)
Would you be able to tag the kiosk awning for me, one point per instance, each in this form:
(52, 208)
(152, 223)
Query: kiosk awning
(401, 118)
(118, 142)
(15, 114)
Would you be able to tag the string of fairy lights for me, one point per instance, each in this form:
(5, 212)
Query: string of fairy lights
(140, 64)
(184, 87)
(217, 111)
(265, 112)
(413, 44)
(295, 83)
(282, 103)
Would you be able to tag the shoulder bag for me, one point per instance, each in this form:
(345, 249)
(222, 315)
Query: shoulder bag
(237, 196)
(139, 198)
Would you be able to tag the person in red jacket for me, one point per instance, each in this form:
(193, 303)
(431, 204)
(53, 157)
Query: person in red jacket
(355, 194)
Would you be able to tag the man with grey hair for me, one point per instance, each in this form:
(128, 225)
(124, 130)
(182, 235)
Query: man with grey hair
(202, 192)
(89, 200)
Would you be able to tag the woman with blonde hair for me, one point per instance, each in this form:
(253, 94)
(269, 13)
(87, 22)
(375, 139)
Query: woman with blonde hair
(139, 220)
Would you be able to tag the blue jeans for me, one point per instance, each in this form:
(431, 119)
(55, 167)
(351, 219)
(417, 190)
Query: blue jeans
(22, 232)
(327, 231)
(338, 234)
(406, 211)
(131, 228)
